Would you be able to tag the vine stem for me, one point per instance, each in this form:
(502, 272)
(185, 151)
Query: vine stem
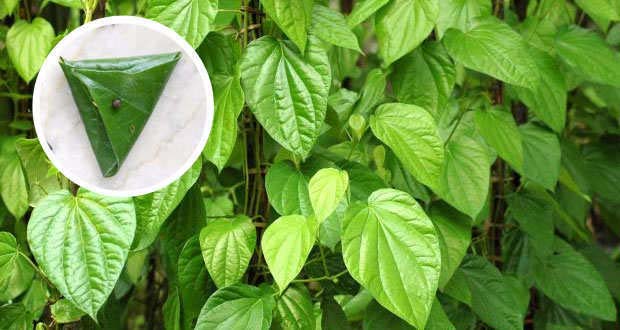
(322, 278)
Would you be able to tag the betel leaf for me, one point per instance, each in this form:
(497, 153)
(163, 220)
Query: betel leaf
(464, 181)
(363, 9)
(372, 92)
(227, 246)
(460, 14)
(532, 211)
(238, 307)
(64, 311)
(586, 53)
(15, 317)
(7, 7)
(548, 100)
(390, 246)
(491, 298)
(194, 284)
(454, 232)
(293, 17)
(601, 170)
(13, 185)
(492, 47)
(541, 155)
(601, 10)
(401, 25)
(332, 315)
(28, 44)
(294, 310)
(15, 271)
(573, 283)
(172, 310)
(40, 174)
(411, 133)
(500, 131)
(425, 77)
(287, 189)
(330, 26)
(81, 243)
(115, 97)
(286, 245)
(192, 19)
(154, 208)
(326, 189)
(286, 93)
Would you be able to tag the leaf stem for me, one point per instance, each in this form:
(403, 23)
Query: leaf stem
(322, 278)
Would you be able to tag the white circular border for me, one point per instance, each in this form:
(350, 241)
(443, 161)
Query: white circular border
(195, 59)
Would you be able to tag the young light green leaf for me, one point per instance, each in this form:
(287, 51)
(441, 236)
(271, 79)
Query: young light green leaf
(285, 92)
(7, 7)
(227, 246)
(287, 189)
(153, 209)
(327, 188)
(191, 19)
(390, 246)
(454, 232)
(40, 174)
(13, 186)
(238, 307)
(64, 311)
(294, 310)
(401, 25)
(28, 45)
(460, 14)
(411, 133)
(588, 55)
(492, 47)
(331, 26)
(363, 9)
(286, 245)
(81, 243)
(15, 271)
(541, 155)
(500, 131)
(587, 292)
(425, 78)
(194, 284)
(293, 17)
(465, 173)
(605, 10)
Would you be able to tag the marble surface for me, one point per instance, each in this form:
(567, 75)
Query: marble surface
(174, 135)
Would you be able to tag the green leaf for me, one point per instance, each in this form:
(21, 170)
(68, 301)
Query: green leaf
(154, 208)
(137, 82)
(194, 283)
(326, 189)
(460, 14)
(531, 209)
(7, 7)
(13, 186)
(35, 299)
(500, 131)
(340, 106)
(227, 246)
(40, 174)
(372, 92)
(377, 317)
(586, 293)
(69, 3)
(602, 170)
(454, 231)
(363, 9)
(237, 307)
(28, 45)
(172, 311)
(330, 230)
(220, 54)
(390, 247)
(425, 78)
(191, 19)
(286, 93)
(15, 271)
(293, 17)
(286, 245)
(331, 26)
(15, 317)
(64, 311)
(402, 25)
(287, 189)
(606, 10)
(548, 100)
(465, 175)
(492, 47)
(607, 267)
(411, 133)
(541, 155)
(332, 315)
(491, 298)
(294, 310)
(81, 243)
(438, 319)
(587, 54)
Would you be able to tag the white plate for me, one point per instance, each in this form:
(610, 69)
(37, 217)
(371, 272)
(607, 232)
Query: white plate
(173, 136)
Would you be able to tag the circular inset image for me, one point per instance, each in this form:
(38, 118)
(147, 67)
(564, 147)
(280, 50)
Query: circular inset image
(123, 106)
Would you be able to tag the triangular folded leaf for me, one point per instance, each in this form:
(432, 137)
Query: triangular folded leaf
(115, 98)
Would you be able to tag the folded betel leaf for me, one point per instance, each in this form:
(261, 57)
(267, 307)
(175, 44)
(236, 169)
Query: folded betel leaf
(115, 98)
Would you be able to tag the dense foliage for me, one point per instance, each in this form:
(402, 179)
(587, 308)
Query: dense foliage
(373, 164)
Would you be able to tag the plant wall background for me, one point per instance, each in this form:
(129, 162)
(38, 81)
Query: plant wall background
(373, 164)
